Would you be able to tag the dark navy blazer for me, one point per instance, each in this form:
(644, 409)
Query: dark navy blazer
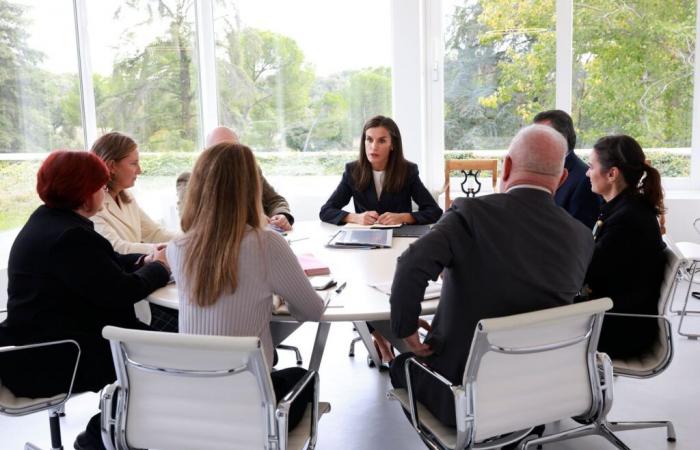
(396, 202)
(575, 194)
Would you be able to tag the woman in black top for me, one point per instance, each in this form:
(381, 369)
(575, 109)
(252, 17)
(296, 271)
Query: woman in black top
(381, 183)
(628, 261)
(66, 282)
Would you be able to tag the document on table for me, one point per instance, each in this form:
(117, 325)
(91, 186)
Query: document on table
(376, 226)
(431, 291)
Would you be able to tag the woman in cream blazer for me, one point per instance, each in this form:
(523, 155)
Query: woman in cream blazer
(121, 221)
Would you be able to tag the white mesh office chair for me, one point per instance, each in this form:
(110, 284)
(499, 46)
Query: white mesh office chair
(11, 405)
(659, 356)
(524, 370)
(690, 253)
(181, 392)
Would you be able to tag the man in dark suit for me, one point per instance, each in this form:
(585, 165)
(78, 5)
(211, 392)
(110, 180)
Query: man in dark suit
(575, 194)
(499, 254)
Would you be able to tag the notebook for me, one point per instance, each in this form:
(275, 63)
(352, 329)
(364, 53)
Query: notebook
(313, 266)
(412, 230)
(361, 239)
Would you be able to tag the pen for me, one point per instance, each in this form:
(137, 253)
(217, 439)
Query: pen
(341, 287)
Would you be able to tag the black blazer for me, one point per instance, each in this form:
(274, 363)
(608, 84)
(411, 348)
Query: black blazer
(627, 266)
(575, 195)
(396, 202)
(499, 254)
(66, 282)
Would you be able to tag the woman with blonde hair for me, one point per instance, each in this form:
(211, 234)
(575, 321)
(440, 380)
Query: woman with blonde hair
(228, 266)
(121, 221)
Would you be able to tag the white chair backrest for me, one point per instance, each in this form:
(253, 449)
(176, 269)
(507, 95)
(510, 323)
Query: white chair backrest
(3, 293)
(673, 261)
(533, 368)
(208, 393)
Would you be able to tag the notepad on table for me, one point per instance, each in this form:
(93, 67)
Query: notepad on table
(313, 266)
(431, 291)
(361, 239)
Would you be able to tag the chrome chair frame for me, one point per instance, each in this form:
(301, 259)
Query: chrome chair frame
(692, 266)
(114, 415)
(668, 289)
(600, 379)
(55, 408)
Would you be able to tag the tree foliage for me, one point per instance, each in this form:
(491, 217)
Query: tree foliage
(633, 66)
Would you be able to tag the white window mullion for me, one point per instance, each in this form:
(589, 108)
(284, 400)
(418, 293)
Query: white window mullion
(695, 136)
(434, 150)
(87, 91)
(565, 54)
(206, 53)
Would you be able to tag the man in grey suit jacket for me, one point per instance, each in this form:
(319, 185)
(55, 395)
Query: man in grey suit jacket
(499, 254)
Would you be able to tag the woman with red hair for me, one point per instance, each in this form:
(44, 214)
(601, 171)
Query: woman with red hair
(66, 282)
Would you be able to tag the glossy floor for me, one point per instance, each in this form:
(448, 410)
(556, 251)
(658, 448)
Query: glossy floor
(362, 418)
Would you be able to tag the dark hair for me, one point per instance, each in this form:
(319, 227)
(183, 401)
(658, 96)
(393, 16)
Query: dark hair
(67, 179)
(561, 122)
(114, 146)
(626, 154)
(396, 167)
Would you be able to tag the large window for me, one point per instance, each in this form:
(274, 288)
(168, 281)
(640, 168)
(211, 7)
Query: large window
(39, 99)
(499, 69)
(303, 80)
(144, 71)
(633, 74)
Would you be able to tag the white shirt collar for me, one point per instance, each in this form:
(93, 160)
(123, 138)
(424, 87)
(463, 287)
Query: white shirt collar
(529, 186)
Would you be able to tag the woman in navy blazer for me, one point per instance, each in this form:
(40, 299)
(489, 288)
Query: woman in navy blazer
(381, 183)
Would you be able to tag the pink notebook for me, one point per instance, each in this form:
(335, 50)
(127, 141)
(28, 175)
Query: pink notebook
(312, 266)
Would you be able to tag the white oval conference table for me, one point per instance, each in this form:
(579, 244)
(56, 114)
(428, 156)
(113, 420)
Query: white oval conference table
(358, 268)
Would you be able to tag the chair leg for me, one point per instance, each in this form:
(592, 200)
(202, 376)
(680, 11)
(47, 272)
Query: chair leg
(622, 426)
(296, 351)
(607, 433)
(684, 311)
(585, 430)
(356, 339)
(55, 427)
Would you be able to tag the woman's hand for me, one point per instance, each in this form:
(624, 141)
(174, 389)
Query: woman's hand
(158, 254)
(280, 221)
(365, 218)
(389, 218)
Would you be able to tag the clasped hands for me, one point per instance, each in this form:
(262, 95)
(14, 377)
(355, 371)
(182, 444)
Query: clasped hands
(373, 217)
(280, 221)
(414, 343)
(157, 254)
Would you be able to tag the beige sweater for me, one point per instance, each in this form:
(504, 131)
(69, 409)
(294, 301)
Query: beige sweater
(128, 228)
(266, 266)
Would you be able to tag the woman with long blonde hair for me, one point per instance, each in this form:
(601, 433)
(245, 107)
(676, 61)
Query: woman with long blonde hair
(227, 266)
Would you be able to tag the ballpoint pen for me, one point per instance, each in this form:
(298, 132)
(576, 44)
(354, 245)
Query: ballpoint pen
(341, 287)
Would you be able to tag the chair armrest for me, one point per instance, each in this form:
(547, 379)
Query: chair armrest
(108, 419)
(605, 372)
(283, 406)
(409, 384)
(14, 348)
(641, 316)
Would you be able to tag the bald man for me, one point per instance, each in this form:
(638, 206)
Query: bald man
(275, 206)
(500, 254)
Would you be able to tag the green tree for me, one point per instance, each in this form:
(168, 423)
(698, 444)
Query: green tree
(151, 93)
(264, 85)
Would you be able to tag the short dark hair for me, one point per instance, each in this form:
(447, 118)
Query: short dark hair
(561, 121)
(66, 179)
